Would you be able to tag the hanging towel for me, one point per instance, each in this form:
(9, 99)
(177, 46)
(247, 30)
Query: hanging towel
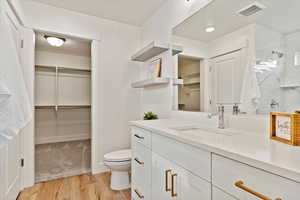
(250, 92)
(15, 108)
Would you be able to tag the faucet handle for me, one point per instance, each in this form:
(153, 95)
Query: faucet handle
(221, 108)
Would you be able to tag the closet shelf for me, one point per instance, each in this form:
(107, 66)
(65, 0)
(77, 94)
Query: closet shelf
(192, 83)
(154, 49)
(155, 81)
(63, 68)
(56, 139)
(176, 49)
(62, 106)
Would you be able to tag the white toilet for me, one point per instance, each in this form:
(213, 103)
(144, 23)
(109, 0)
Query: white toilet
(119, 162)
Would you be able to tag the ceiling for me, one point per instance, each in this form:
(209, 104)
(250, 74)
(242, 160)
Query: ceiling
(279, 15)
(134, 12)
(74, 46)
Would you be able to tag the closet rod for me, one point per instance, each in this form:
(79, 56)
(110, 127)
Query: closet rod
(63, 68)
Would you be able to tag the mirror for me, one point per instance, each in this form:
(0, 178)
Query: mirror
(244, 53)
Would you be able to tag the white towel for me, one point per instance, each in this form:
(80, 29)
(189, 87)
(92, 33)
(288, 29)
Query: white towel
(15, 108)
(250, 92)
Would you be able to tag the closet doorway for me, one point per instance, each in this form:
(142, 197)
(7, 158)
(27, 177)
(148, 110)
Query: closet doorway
(62, 106)
(189, 94)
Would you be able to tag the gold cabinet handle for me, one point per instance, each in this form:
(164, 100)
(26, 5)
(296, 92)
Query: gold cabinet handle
(167, 172)
(173, 193)
(139, 137)
(240, 184)
(138, 194)
(139, 162)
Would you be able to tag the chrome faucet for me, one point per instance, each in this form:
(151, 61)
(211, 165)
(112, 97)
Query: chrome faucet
(221, 123)
(220, 113)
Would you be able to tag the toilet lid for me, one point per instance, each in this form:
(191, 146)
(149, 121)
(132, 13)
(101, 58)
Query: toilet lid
(118, 156)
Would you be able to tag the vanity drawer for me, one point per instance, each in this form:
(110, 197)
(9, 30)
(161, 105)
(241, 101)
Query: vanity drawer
(238, 179)
(190, 158)
(141, 136)
(141, 165)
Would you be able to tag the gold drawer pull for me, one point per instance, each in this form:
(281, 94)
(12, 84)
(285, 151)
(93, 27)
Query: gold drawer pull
(173, 193)
(138, 161)
(167, 180)
(138, 194)
(139, 137)
(240, 184)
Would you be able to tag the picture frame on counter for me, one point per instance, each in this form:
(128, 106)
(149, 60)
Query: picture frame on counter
(285, 127)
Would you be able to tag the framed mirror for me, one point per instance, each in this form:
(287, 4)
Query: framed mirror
(240, 53)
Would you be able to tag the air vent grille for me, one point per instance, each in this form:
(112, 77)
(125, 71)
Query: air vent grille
(251, 9)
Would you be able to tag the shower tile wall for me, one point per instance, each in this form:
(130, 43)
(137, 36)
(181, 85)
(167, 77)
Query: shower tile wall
(58, 160)
(285, 73)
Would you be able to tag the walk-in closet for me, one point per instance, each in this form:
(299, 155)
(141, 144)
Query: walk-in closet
(62, 106)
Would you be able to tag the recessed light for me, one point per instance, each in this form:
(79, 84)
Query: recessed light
(55, 41)
(210, 29)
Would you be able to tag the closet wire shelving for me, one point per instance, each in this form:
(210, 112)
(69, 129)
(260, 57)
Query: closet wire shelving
(57, 69)
(56, 106)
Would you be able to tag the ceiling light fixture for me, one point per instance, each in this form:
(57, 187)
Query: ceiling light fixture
(55, 41)
(210, 29)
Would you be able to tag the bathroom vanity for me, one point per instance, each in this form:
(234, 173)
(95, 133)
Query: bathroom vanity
(173, 159)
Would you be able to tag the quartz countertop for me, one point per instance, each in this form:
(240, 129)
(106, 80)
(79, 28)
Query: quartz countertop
(255, 149)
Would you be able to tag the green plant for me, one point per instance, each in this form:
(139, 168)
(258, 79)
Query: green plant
(150, 116)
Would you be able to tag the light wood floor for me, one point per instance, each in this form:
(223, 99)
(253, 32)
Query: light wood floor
(83, 187)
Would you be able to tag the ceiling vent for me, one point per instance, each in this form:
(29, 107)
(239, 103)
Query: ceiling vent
(251, 9)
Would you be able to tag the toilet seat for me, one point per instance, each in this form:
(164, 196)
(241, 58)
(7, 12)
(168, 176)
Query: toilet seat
(118, 156)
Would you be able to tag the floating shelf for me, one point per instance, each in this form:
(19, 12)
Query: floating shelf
(155, 81)
(150, 51)
(63, 68)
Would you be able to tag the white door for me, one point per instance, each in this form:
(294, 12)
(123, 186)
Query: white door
(12, 168)
(227, 76)
(12, 165)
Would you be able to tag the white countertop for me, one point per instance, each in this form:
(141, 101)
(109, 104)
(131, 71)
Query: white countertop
(255, 149)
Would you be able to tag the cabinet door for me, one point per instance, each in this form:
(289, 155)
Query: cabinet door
(220, 195)
(189, 186)
(161, 178)
(169, 181)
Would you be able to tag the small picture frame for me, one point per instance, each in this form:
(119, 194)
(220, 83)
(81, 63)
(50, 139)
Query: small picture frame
(154, 68)
(285, 127)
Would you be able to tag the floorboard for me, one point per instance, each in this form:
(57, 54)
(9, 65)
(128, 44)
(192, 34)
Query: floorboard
(83, 187)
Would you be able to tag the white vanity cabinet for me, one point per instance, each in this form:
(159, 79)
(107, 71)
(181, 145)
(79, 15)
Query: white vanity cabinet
(174, 170)
(164, 169)
(141, 164)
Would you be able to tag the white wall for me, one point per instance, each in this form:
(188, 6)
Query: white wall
(120, 102)
(159, 27)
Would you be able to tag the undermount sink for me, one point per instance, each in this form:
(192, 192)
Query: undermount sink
(201, 130)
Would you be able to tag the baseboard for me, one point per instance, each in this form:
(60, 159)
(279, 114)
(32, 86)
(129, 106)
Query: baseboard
(99, 168)
(63, 175)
